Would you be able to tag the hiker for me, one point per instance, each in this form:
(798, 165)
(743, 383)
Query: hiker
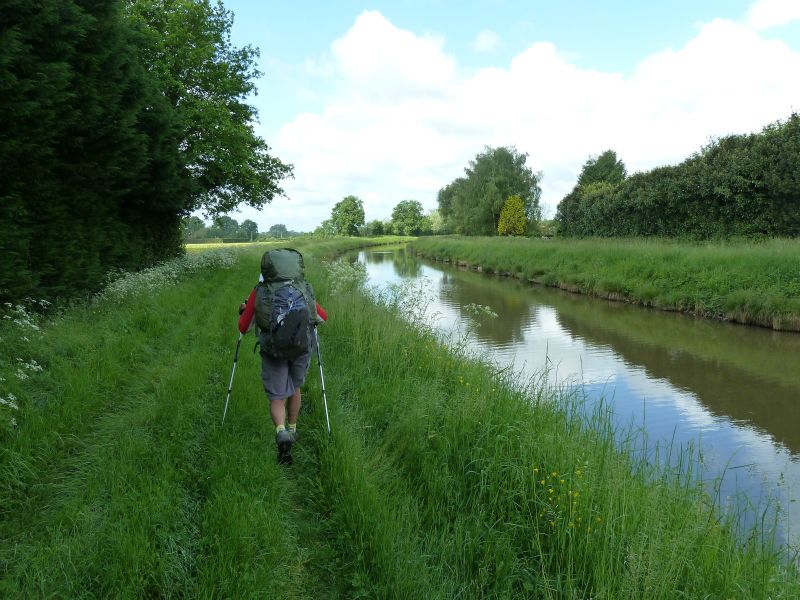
(282, 306)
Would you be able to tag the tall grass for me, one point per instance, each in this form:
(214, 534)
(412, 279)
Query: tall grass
(746, 282)
(441, 479)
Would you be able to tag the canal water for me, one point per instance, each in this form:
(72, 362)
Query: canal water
(730, 392)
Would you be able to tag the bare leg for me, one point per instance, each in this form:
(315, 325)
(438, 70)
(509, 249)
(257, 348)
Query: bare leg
(277, 410)
(294, 407)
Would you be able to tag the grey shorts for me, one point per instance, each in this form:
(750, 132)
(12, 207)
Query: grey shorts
(282, 378)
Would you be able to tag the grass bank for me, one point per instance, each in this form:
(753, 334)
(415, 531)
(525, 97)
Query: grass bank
(743, 282)
(441, 479)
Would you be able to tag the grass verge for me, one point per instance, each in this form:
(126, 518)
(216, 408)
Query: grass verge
(441, 479)
(744, 282)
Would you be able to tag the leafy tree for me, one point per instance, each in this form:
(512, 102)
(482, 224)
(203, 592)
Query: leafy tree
(374, 228)
(435, 222)
(278, 231)
(471, 205)
(572, 215)
(407, 217)
(192, 227)
(325, 229)
(606, 167)
(512, 217)
(89, 147)
(224, 227)
(347, 216)
(249, 229)
(207, 80)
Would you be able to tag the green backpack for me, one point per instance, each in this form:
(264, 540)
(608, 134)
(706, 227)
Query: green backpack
(284, 305)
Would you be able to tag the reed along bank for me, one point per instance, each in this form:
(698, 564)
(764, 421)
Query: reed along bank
(755, 283)
(442, 478)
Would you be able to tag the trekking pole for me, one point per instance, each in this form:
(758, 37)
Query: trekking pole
(230, 384)
(322, 380)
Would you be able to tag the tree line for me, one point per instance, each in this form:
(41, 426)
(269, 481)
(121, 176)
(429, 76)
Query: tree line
(224, 227)
(408, 218)
(738, 185)
(498, 194)
(119, 117)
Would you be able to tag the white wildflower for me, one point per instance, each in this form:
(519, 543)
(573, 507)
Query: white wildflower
(480, 310)
(10, 402)
(122, 285)
(345, 276)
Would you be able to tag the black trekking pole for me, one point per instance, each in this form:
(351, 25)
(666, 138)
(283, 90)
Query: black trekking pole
(230, 384)
(322, 380)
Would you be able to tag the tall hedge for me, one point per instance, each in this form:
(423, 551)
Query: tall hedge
(89, 164)
(740, 185)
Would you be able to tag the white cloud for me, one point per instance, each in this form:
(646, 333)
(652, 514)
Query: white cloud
(486, 42)
(765, 14)
(403, 119)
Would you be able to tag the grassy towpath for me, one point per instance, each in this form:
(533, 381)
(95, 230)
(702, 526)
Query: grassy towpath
(119, 481)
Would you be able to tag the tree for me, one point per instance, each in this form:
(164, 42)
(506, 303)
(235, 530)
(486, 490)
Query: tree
(512, 217)
(374, 228)
(471, 205)
(605, 168)
(407, 218)
(227, 226)
(347, 216)
(88, 145)
(278, 231)
(325, 229)
(192, 227)
(573, 214)
(436, 222)
(249, 229)
(206, 80)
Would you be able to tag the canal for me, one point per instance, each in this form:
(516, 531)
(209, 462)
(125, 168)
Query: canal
(730, 392)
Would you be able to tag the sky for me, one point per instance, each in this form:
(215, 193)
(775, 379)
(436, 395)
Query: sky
(389, 101)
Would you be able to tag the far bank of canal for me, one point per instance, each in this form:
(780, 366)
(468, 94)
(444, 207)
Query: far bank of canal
(731, 392)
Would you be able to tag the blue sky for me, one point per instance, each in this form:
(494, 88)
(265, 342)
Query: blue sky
(389, 100)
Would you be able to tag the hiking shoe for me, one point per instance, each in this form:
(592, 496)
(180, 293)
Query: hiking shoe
(284, 441)
(293, 434)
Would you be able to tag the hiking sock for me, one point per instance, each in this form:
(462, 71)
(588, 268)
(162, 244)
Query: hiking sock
(292, 427)
(279, 428)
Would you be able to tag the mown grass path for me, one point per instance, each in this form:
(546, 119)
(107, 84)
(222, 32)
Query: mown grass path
(440, 480)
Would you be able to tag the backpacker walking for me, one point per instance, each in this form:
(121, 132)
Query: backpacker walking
(285, 312)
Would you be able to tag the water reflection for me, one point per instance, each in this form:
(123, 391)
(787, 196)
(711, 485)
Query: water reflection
(733, 392)
(515, 313)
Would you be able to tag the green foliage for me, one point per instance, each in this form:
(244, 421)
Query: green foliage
(374, 228)
(249, 229)
(407, 218)
(347, 216)
(512, 217)
(193, 228)
(92, 176)
(604, 168)
(740, 185)
(207, 80)
(471, 205)
(436, 222)
(278, 230)
(223, 226)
